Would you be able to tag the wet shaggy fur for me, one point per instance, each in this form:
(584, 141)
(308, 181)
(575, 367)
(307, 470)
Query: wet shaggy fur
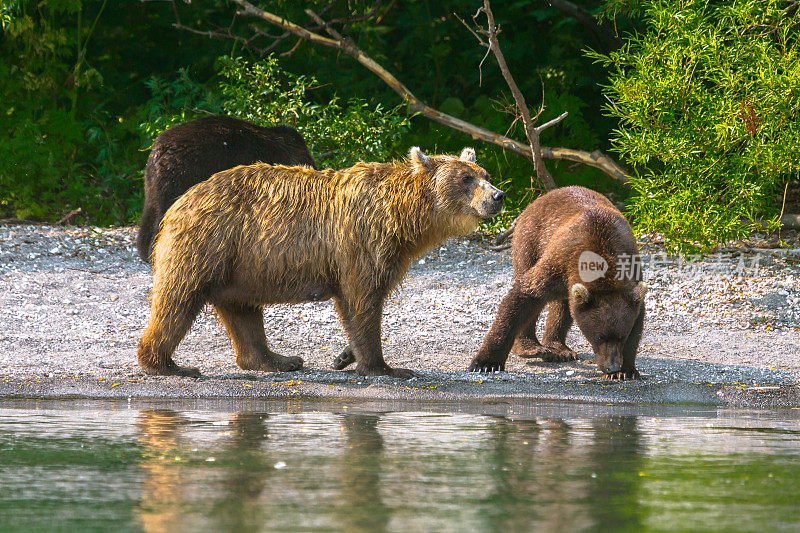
(258, 235)
(189, 153)
(549, 237)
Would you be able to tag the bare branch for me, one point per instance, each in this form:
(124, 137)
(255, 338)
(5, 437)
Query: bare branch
(531, 132)
(562, 116)
(595, 159)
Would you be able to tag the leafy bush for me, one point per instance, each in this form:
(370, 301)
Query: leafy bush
(708, 99)
(263, 93)
(60, 149)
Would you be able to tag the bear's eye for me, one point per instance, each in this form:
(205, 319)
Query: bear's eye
(465, 178)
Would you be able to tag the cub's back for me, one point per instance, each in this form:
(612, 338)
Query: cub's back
(552, 220)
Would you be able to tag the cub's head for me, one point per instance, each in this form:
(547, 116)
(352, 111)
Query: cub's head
(606, 319)
(461, 188)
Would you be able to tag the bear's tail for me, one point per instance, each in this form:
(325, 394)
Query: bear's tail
(147, 233)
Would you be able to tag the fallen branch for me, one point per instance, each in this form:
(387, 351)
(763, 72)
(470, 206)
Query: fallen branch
(595, 159)
(68, 216)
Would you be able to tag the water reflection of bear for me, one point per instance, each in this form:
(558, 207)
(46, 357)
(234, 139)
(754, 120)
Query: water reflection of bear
(239, 507)
(160, 507)
(545, 474)
(551, 475)
(172, 487)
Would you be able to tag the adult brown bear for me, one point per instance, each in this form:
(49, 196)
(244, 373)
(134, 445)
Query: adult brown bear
(574, 250)
(189, 153)
(259, 235)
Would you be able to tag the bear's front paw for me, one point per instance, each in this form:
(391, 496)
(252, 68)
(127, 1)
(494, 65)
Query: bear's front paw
(289, 364)
(625, 375)
(486, 366)
(271, 362)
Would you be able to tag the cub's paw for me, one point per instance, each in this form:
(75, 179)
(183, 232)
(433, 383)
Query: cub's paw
(550, 354)
(625, 375)
(401, 373)
(486, 366)
(344, 359)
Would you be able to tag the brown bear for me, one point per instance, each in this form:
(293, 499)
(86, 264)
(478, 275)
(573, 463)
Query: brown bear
(260, 234)
(574, 250)
(189, 153)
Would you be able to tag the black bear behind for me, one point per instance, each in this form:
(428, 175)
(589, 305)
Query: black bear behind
(189, 153)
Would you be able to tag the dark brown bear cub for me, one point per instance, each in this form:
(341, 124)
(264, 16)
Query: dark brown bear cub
(189, 153)
(574, 250)
(258, 235)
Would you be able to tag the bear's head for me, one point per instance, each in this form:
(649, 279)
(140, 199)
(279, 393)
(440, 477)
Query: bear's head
(461, 188)
(606, 318)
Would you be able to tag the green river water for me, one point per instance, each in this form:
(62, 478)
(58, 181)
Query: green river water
(304, 466)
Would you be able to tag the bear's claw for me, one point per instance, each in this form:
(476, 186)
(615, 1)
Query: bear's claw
(625, 375)
(486, 367)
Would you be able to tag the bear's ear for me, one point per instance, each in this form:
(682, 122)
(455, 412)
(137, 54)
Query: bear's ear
(468, 155)
(639, 292)
(419, 159)
(580, 294)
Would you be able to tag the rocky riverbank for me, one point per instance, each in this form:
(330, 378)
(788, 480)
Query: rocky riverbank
(73, 302)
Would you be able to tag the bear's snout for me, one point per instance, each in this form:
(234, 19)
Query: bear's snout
(608, 357)
(492, 200)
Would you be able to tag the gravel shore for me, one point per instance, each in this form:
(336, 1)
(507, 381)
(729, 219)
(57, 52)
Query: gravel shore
(725, 329)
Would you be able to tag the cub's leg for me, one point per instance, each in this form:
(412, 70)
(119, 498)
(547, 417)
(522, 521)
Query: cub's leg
(170, 319)
(559, 320)
(527, 343)
(362, 322)
(526, 298)
(148, 227)
(629, 352)
(245, 327)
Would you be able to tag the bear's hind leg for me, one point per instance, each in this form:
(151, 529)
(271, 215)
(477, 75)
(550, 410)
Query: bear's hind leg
(559, 320)
(170, 319)
(526, 344)
(148, 227)
(245, 327)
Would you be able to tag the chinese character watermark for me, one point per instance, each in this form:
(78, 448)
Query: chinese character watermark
(593, 266)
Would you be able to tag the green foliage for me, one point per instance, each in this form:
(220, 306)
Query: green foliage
(88, 84)
(173, 102)
(708, 100)
(54, 158)
(337, 135)
(263, 93)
